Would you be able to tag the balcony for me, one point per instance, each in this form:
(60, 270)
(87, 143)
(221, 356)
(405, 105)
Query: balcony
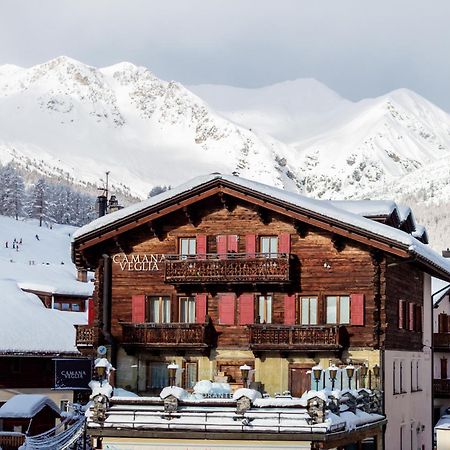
(167, 335)
(441, 388)
(11, 440)
(441, 341)
(267, 337)
(87, 336)
(229, 268)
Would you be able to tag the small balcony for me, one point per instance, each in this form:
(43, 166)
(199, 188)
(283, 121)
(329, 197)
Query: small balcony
(441, 341)
(229, 268)
(87, 336)
(441, 388)
(167, 335)
(267, 337)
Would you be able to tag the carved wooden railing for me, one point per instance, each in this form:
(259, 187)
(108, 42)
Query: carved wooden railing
(11, 440)
(441, 387)
(441, 341)
(87, 336)
(229, 268)
(187, 335)
(293, 337)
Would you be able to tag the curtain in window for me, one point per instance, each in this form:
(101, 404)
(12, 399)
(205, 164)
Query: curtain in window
(331, 309)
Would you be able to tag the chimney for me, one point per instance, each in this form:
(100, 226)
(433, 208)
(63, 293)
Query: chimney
(446, 253)
(113, 204)
(101, 205)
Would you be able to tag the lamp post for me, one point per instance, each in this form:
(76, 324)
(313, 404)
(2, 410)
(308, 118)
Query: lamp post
(100, 369)
(333, 370)
(317, 374)
(350, 369)
(363, 374)
(245, 371)
(376, 372)
(172, 368)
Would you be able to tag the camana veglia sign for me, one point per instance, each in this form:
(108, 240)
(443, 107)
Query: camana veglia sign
(74, 374)
(139, 262)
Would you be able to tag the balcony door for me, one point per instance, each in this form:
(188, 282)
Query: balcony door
(299, 380)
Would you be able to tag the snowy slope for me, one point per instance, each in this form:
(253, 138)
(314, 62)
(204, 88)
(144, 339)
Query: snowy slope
(42, 264)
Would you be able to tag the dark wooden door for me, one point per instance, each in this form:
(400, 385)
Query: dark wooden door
(299, 380)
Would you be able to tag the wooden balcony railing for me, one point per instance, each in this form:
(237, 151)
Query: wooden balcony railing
(87, 336)
(441, 341)
(167, 335)
(441, 388)
(11, 440)
(229, 268)
(267, 337)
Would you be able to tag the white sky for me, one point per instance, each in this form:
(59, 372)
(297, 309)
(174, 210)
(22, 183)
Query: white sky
(359, 48)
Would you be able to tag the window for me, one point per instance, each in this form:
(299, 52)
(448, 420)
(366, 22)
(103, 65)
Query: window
(269, 246)
(187, 247)
(338, 309)
(187, 309)
(157, 375)
(308, 310)
(68, 306)
(402, 314)
(190, 375)
(265, 308)
(158, 309)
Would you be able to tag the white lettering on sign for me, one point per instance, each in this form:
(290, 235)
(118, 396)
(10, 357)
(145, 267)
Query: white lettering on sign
(139, 263)
(73, 374)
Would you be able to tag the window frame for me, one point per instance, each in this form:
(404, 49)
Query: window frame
(189, 239)
(338, 309)
(258, 307)
(299, 307)
(186, 365)
(270, 253)
(148, 308)
(188, 298)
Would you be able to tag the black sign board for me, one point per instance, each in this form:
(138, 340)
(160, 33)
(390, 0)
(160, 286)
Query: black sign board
(74, 374)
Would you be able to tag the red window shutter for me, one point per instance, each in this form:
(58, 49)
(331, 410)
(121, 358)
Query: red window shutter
(200, 308)
(226, 309)
(201, 246)
(138, 308)
(289, 309)
(246, 309)
(401, 312)
(90, 311)
(232, 243)
(250, 244)
(222, 245)
(284, 243)
(357, 309)
(411, 316)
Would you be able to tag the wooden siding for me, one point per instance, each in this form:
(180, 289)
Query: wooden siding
(323, 265)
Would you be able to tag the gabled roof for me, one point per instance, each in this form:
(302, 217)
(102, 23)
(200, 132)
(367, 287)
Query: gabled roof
(26, 406)
(320, 213)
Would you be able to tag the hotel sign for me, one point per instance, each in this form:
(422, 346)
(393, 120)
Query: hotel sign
(73, 373)
(139, 262)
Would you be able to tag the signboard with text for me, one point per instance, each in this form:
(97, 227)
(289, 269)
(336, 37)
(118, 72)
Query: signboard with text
(73, 374)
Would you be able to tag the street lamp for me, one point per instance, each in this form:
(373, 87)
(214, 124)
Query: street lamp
(100, 369)
(317, 374)
(376, 372)
(363, 374)
(333, 370)
(350, 369)
(245, 371)
(172, 368)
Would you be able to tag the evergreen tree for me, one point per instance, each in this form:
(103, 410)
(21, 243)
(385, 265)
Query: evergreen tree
(39, 201)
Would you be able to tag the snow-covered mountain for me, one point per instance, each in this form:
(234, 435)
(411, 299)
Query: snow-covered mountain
(69, 120)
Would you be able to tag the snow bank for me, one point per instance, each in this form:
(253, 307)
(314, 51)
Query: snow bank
(26, 406)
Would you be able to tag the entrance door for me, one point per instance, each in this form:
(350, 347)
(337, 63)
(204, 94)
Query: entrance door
(299, 380)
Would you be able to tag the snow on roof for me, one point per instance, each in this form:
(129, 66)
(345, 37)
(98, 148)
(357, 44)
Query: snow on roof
(29, 327)
(367, 208)
(320, 207)
(443, 423)
(26, 406)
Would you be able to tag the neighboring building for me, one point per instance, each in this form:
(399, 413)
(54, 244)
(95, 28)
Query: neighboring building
(441, 347)
(222, 272)
(33, 335)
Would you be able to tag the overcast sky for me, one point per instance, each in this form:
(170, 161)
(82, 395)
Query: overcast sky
(359, 48)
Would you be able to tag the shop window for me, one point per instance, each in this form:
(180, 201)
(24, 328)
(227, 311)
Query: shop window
(157, 375)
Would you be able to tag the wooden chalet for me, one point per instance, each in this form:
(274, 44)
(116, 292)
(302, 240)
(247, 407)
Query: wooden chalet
(224, 271)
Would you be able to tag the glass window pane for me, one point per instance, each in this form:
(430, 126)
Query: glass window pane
(165, 310)
(75, 307)
(184, 246)
(313, 311)
(192, 246)
(191, 375)
(265, 245)
(191, 315)
(158, 375)
(273, 245)
(154, 309)
(261, 312)
(305, 311)
(331, 310)
(269, 309)
(344, 309)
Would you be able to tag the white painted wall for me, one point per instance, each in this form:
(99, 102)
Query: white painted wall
(410, 412)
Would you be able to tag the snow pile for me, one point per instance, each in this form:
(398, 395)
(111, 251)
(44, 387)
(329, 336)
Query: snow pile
(175, 391)
(206, 387)
(249, 393)
(26, 406)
